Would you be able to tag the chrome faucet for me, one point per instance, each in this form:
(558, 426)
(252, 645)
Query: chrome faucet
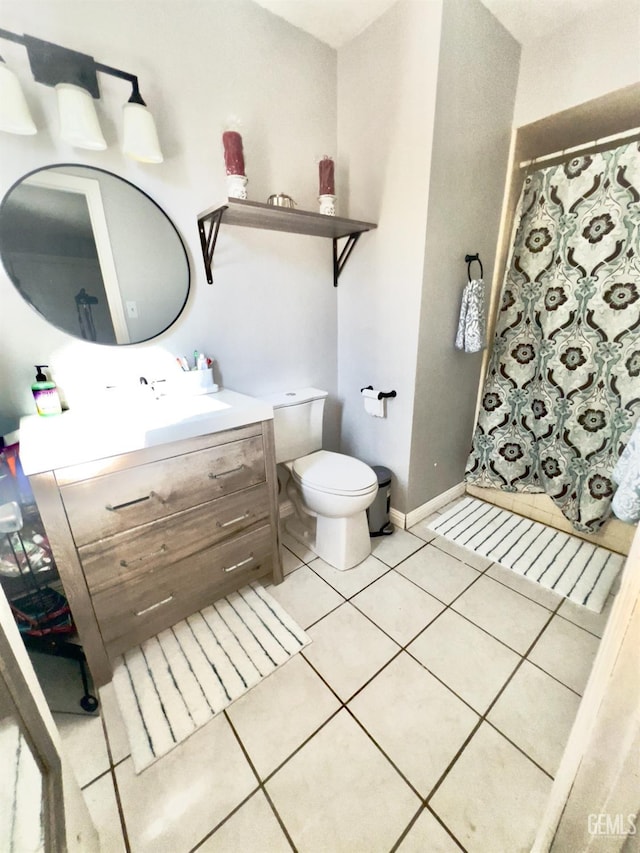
(157, 393)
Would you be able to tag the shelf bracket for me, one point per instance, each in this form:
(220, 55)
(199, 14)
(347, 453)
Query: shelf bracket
(208, 237)
(339, 260)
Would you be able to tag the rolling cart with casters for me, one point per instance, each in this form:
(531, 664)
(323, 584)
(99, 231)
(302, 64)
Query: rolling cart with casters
(41, 613)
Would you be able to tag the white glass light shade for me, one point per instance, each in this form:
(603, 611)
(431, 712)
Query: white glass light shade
(79, 125)
(140, 138)
(14, 112)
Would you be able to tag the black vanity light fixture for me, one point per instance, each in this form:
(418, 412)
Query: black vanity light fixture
(75, 79)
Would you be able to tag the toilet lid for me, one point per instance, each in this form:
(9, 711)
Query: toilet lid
(334, 472)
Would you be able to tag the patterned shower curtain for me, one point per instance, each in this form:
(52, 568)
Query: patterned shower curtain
(562, 392)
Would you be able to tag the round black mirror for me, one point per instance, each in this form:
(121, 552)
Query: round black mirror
(93, 254)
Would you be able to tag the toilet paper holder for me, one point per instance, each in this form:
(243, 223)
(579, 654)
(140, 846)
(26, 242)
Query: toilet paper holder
(382, 395)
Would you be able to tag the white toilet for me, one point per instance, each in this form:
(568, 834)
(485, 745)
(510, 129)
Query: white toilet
(329, 491)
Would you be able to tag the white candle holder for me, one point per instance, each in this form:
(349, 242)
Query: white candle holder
(327, 204)
(236, 186)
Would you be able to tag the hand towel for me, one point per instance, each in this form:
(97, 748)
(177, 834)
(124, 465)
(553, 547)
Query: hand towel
(626, 501)
(472, 323)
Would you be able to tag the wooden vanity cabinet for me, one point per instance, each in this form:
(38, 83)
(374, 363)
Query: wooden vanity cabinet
(145, 539)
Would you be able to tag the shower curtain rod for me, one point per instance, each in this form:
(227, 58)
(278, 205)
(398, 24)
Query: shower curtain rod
(586, 146)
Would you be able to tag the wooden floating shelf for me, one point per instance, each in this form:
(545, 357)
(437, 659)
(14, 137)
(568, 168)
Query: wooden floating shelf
(252, 214)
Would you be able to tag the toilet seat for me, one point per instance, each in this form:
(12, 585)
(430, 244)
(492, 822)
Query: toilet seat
(334, 473)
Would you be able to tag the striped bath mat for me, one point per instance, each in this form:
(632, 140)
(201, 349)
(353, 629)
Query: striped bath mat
(566, 564)
(177, 681)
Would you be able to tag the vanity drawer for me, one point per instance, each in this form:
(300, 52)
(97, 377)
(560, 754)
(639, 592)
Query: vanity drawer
(138, 609)
(110, 504)
(163, 544)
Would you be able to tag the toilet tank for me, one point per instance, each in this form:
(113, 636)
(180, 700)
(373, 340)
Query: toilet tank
(297, 422)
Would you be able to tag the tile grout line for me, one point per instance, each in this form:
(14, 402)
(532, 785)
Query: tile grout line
(224, 820)
(554, 677)
(407, 828)
(483, 718)
(424, 808)
(525, 657)
(555, 612)
(310, 737)
(444, 684)
(480, 627)
(484, 571)
(123, 822)
(582, 628)
(97, 778)
(261, 784)
(279, 819)
(114, 782)
(344, 704)
(445, 827)
(380, 749)
(259, 787)
(390, 569)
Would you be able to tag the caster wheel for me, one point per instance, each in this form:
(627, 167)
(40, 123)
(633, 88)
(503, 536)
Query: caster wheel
(89, 703)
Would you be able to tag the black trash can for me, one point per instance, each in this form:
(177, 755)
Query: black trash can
(378, 512)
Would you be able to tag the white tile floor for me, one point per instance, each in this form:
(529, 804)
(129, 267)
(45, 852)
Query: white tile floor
(429, 714)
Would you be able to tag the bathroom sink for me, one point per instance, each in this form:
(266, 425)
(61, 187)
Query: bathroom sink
(122, 424)
(160, 411)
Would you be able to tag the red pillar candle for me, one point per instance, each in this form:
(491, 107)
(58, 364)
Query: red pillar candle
(233, 156)
(327, 185)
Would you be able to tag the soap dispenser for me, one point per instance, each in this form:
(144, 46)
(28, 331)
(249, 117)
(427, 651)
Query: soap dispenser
(45, 394)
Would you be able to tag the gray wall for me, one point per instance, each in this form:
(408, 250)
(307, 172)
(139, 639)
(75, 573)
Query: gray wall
(477, 80)
(387, 81)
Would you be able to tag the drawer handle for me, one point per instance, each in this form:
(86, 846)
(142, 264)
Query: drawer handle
(153, 606)
(237, 565)
(130, 503)
(126, 563)
(233, 520)
(226, 473)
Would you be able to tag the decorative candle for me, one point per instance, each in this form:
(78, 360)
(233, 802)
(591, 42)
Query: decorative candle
(233, 156)
(327, 186)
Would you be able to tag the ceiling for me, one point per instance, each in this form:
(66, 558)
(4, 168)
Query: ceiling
(338, 21)
(333, 21)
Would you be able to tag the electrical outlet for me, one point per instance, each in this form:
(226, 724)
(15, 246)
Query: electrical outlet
(132, 310)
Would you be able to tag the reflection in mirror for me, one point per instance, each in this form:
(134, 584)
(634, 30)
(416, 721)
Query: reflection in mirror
(93, 254)
(21, 790)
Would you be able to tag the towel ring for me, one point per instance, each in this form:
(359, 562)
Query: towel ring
(470, 259)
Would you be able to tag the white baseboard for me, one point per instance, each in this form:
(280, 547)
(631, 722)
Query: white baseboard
(397, 518)
(431, 506)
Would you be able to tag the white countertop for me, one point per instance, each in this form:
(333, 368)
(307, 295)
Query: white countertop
(75, 437)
